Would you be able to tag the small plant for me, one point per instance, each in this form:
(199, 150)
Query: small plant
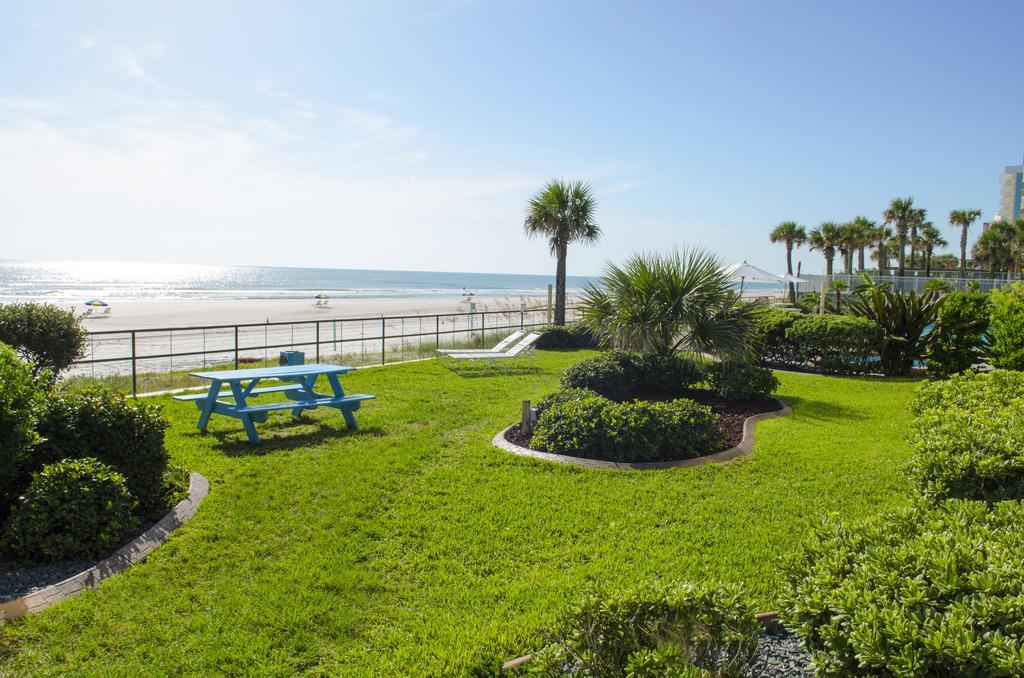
(75, 508)
(921, 592)
(128, 434)
(597, 428)
(653, 630)
(17, 424)
(835, 344)
(739, 380)
(903, 318)
(46, 336)
(959, 335)
(968, 436)
(1007, 349)
(568, 337)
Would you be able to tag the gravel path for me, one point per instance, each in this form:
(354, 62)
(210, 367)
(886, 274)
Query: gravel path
(781, 654)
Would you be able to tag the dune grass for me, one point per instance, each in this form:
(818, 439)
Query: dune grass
(414, 547)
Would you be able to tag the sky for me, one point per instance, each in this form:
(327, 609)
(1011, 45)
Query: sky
(411, 134)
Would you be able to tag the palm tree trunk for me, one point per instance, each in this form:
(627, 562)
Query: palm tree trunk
(828, 264)
(902, 256)
(883, 257)
(789, 270)
(927, 264)
(860, 258)
(963, 252)
(560, 284)
(849, 261)
(913, 245)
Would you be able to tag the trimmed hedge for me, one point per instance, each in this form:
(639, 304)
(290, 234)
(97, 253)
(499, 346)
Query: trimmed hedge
(625, 374)
(959, 334)
(48, 337)
(769, 336)
(597, 428)
(920, 592)
(565, 337)
(17, 424)
(738, 380)
(126, 433)
(1007, 327)
(835, 344)
(564, 395)
(968, 437)
(75, 508)
(653, 630)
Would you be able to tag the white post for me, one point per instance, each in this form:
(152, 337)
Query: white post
(549, 303)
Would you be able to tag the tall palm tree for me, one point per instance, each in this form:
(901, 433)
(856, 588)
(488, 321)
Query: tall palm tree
(963, 219)
(562, 212)
(794, 235)
(994, 248)
(826, 238)
(848, 239)
(929, 238)
(917, 220)
(882, 235)
(865, 230)
(900, 214)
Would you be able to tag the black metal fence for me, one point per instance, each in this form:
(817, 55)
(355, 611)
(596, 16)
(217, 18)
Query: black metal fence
(159, 358)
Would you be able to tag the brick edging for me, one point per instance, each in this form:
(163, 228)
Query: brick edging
(745, 447)
(129, 554)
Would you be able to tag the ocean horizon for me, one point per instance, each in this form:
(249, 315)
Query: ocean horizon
(69, 280)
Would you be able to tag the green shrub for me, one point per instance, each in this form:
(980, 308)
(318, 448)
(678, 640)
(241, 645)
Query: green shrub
(597, 428)
(903, 320)
(75, 508)
(738, 380)
(565, 337)
(653, 630)
(126, 433)
(563, 396)
(45, 335)
(769, 336)
(17, 424)
(959, 334)
(922, 592)
(620, 375)
(1007, 327)
(836, 344)
(967, 437)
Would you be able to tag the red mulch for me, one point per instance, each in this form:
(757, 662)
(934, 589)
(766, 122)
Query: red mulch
(729, 415)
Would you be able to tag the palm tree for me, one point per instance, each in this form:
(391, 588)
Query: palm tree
(666, 304)
(917, 220)
(900, 214)
(994, 248)
(826, 238)
(963, 219)
(562, 212)
(865, 230)
(794, 235)
(847, 245)
(929, 238)
(882, 235)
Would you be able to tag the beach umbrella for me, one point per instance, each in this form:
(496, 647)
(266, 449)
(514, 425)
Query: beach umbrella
(745, 271)
(320, 295)
(96, 302)
(789, 278)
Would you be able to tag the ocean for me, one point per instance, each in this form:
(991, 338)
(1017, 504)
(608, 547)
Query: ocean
(63, 280)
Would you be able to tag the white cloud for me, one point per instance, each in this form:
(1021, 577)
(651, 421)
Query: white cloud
(126, 60)
(372, 128)
(19, 104)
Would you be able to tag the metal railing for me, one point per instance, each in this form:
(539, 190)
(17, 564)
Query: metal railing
(160, 357)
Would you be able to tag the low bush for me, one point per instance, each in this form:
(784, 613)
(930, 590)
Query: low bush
(620, 375)
(904, 320)
(126, 433)
(17, 424)
(922, 592)
(959, 334)
(75, 508)
(565, 337)
(654, 630)
(769, 336)
(967, 437)
(564, 395)
(597, 428)
(739, 380)
(1007, 327)
(835, 344)
(48, 337)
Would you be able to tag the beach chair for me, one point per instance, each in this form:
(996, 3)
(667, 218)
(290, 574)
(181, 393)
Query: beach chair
(106, 311)
(516, 358)
(498, 348)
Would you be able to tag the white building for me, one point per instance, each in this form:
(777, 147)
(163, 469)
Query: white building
(1011, 193)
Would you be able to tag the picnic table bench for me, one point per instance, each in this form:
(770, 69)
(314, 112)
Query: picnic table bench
(242, 384)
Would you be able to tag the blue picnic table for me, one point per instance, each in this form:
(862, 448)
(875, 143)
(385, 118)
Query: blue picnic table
(298, 388)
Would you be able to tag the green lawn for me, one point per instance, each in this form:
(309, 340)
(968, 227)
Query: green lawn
(415, 547)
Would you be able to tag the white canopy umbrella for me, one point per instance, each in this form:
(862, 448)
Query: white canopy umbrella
(745, 271)
(789, 278)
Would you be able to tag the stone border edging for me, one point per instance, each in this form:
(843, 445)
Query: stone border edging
(129, 554)
(745, 447)
(769, 621)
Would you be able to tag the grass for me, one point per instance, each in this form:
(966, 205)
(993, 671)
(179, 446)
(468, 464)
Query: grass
(414, 547)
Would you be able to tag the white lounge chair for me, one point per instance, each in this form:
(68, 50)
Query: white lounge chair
(498, 348)
(517, 357)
